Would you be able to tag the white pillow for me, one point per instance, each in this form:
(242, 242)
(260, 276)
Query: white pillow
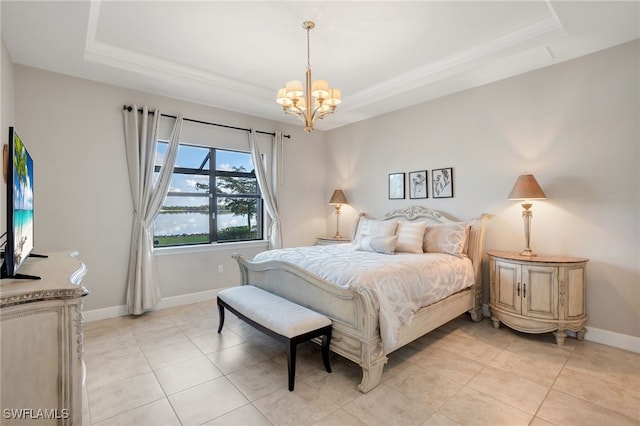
(377, 244)
(376, 228)
(410, 236)
(445, 238)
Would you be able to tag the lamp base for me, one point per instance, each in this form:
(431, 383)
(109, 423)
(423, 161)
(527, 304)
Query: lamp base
(338, 236)
(526, 216)
(528, 252)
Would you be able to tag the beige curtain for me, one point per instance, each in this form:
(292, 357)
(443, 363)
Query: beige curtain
(140, 134)
(270, 190)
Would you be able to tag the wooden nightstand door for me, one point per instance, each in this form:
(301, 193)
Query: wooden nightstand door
(529, 290)
(505, 286)
(540, 291)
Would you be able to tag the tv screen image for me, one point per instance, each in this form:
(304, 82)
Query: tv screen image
(19, 207)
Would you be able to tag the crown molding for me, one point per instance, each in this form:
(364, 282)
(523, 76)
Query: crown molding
(96, 51)
(455, 64)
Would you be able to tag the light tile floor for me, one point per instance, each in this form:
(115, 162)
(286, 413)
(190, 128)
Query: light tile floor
(171, 367)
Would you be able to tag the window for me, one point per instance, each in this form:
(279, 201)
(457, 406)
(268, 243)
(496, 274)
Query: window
(194, 214)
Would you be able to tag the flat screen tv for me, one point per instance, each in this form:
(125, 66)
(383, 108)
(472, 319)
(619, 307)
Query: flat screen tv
(19, 244)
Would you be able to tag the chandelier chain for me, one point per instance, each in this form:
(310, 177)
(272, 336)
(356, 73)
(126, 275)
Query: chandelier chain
(308, 49)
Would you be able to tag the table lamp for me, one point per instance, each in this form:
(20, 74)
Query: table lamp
(338, 199)
(526, 188)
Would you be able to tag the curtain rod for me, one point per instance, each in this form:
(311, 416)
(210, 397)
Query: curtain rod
(129, 108)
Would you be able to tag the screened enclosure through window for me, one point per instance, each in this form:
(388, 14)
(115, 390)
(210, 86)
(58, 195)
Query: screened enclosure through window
(193, 213)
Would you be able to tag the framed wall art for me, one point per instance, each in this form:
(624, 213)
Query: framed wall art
(396, 186)
(418, 184)
(442, 183)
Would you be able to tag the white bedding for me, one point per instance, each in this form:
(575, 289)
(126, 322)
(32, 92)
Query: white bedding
(403, 282)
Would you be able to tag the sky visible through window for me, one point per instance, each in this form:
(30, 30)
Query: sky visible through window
(193, 157)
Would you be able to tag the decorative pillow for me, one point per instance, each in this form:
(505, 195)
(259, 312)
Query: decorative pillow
(377, 244)
(445, 238)
(376, 228)
(410, 236)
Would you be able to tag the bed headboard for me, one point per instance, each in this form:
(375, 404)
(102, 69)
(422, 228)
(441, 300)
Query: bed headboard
(475, 250)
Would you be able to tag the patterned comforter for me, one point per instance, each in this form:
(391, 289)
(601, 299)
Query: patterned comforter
(403, 283)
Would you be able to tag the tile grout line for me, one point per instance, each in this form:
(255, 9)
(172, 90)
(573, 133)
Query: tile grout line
(480, 337)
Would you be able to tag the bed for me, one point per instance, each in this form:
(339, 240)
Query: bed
(355, 303)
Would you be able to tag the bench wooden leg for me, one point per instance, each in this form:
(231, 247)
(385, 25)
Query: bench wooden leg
(291, 362)
(221, 312)
(326, 340)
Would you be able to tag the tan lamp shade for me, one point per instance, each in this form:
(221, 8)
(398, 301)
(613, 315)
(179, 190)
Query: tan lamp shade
(527, 188)
(338, 198)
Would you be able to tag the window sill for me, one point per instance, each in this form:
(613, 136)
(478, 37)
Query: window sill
(203, 248)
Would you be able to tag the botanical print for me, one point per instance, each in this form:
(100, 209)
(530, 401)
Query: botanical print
(396, 186)
(442, 183)
(418, 184)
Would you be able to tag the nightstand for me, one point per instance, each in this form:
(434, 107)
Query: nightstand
(538, 294)
(331, 240)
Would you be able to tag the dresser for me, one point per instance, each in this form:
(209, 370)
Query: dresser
(41, 343)
(538, 294)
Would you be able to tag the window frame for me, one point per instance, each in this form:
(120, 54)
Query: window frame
(212, 196)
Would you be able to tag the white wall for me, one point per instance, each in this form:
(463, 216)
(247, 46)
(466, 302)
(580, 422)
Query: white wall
(575, 126)
(74, 131)
(6, 116)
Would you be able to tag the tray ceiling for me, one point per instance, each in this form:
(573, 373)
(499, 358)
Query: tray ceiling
(384, 56)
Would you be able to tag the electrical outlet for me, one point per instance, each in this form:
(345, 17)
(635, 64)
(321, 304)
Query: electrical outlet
(220, 269)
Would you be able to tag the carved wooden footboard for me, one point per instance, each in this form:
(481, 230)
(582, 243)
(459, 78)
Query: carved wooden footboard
(354, 311)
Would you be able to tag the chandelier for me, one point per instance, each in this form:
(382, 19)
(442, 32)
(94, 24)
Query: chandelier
(293, 100)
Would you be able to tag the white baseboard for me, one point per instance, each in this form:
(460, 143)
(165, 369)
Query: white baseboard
(104, 313)
(167, 302)
(611, 338)
(485, 311)
(187, 299)
(597, 335)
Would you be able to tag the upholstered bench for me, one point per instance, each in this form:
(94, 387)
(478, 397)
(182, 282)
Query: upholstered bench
(279, 318)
